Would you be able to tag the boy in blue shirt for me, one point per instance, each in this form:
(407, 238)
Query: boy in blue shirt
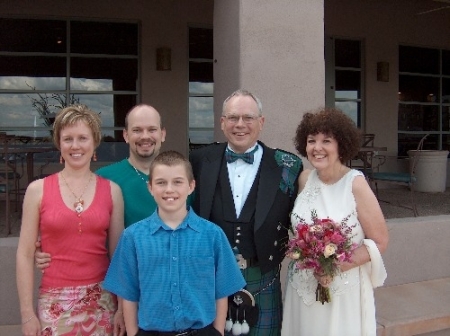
(174, 270)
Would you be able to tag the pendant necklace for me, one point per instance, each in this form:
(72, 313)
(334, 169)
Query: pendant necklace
(78, 205)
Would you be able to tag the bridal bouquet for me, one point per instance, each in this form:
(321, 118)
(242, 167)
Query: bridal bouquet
(321, 246)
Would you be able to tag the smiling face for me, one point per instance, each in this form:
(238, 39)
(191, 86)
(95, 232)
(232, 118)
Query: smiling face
(170, 187)
(144, 133)
(241, 135)
(322, 151)
(77, 144)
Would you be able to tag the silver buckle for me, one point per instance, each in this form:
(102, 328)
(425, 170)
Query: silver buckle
(183, 333)
(242, 263)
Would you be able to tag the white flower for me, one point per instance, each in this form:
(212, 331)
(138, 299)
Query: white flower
(315, 228)
(330, 249)
(294, 255)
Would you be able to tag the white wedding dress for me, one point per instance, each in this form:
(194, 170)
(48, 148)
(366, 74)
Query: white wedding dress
(351, 311)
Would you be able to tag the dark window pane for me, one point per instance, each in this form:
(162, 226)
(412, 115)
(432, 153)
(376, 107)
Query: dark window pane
(200, 43)
(446, 142)
(418, 88)
(347, 53)
(408, 142)
(418, 118)
(446, 90)
(419, 60)
(201, 72)
(23, 35)
(348, 84)
(446, 118)
(103, 74)
(104, 38)
(446, 62)
(28, 73)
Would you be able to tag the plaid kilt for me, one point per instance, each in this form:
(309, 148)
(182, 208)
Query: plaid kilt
(269, 301)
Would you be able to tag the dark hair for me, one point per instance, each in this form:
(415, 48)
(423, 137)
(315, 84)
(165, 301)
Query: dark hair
(72, 114)
(332, 122)
(170, 159)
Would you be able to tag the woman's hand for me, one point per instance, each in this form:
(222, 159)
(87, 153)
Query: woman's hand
(323, 279)
(31, 326)
(119, 324)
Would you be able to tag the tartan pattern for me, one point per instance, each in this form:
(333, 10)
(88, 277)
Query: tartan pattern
(269, 301)
(292, 165)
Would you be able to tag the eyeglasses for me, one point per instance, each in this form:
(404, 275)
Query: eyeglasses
(246, 118)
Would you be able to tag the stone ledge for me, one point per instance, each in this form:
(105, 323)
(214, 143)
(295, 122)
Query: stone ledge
(413, 308)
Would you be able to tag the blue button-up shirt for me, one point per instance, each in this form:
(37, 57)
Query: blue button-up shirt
(176, 276)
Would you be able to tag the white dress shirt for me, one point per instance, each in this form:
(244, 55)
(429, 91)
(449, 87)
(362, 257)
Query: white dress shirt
(241, 175)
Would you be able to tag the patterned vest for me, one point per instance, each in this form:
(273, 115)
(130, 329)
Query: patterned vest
(239, 230)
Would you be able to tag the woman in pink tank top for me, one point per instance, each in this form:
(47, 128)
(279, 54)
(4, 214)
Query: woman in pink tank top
(79, 218)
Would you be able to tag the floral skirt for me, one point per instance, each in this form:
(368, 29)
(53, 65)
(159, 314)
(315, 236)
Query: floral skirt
(82, 310)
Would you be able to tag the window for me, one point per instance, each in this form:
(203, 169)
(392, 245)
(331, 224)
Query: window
(424, 98)
(48, 64)
(201, 86)
(344, 77)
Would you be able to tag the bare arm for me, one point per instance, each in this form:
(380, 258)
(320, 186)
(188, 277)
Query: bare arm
(372, 221)
(25, 257)
(119, 323)
(130, 316)
(303, 177)
(116, 223)
(221, 314)
(114, 232)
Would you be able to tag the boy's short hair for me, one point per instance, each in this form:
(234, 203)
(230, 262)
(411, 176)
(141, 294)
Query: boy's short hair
(171, 158)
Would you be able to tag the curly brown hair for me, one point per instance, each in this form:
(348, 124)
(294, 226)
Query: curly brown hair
(332, 122)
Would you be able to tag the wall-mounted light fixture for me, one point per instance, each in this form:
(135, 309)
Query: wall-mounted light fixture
(383, 71)
(163, 59)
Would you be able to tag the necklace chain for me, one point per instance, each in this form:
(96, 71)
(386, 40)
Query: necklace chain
(139, 174)
(78, 205)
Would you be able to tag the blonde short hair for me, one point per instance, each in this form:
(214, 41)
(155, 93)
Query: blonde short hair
(72, 114)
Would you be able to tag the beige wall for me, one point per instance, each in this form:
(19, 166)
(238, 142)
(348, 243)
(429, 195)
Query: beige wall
(163, 23)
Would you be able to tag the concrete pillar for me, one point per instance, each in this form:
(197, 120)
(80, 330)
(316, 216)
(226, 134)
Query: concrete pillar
(274, 49)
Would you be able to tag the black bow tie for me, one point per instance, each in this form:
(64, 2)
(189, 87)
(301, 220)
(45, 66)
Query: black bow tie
(246, 157)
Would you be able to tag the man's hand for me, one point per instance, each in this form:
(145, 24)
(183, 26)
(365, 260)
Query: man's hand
(42, 259)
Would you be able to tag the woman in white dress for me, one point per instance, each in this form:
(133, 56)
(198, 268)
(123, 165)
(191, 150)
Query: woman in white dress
(328, 138)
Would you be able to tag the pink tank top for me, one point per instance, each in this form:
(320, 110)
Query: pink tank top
(78, 258)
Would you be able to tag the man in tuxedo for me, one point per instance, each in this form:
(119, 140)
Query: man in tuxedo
(248, 189)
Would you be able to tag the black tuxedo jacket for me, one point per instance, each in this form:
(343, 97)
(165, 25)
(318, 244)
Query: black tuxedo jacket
(273, 205)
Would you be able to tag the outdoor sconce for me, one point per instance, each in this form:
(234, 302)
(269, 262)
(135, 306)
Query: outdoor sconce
(163, 59)
(383, 71)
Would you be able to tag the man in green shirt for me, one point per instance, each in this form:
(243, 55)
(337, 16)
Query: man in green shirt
(144, 134)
